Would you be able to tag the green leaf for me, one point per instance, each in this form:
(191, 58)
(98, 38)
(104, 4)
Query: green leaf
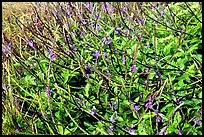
(137, 99)
(87, 87)
(66, 132)
(134, 115)
(60, 128)
(74, 129)
(120, 119)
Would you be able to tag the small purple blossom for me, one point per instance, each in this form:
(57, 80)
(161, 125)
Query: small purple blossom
(84, 22)
(107, 41)
(18, 130)
(45, 114)
(179, 132)
(116, 51)
(30, 43)
(162, 132)
(148, 45)
(99, 17)
(125, 9)
(93, 110)
(8, 87)
(124, 60)
(140, 20)
(197, 122)
(89, 6)
(98, 27)
(133, 68)
(162, 13)
(54, 12)
(47, 93)
(136, 108)
(131, 130)
(97, 54)
(109, 8)
(105, 55)
(111, 128)
(149, 104)
(158, 75)
(178, 102)
(68, 24)
(9, 44)
(82, 34)
(112, 120)
(116, 30)
(141, 37)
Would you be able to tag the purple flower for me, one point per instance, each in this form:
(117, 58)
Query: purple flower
(162, 132)
(93, 110)
(112, 120)
(45, 114)
(116, 30)
(109, 8)
(147, 45)
(68, 24)
(84, 22)
(149, 104)
(89, 6)
(52, 56)
(105, 56)
(140, 20)
(54, 12)
(82, 34)
(30, 43)
(111, 128)
(197, 122)
(18, 130)
(155, 16)
(47, 93)
(179, 132)
(178, 102)
(98, 27)
(141, 37)
(116, 51)
(124, 60)
(8, 87)
(125, 9)
(158, 75)
(19, 125)
(131, 130)
(99, 17)
(133, 68)
(162, 13)
(75, 48)
(107, 41)
(136, 108)
(97, 54)
(9, 44)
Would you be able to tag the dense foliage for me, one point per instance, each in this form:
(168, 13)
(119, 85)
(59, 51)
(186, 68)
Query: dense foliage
(102, 68)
